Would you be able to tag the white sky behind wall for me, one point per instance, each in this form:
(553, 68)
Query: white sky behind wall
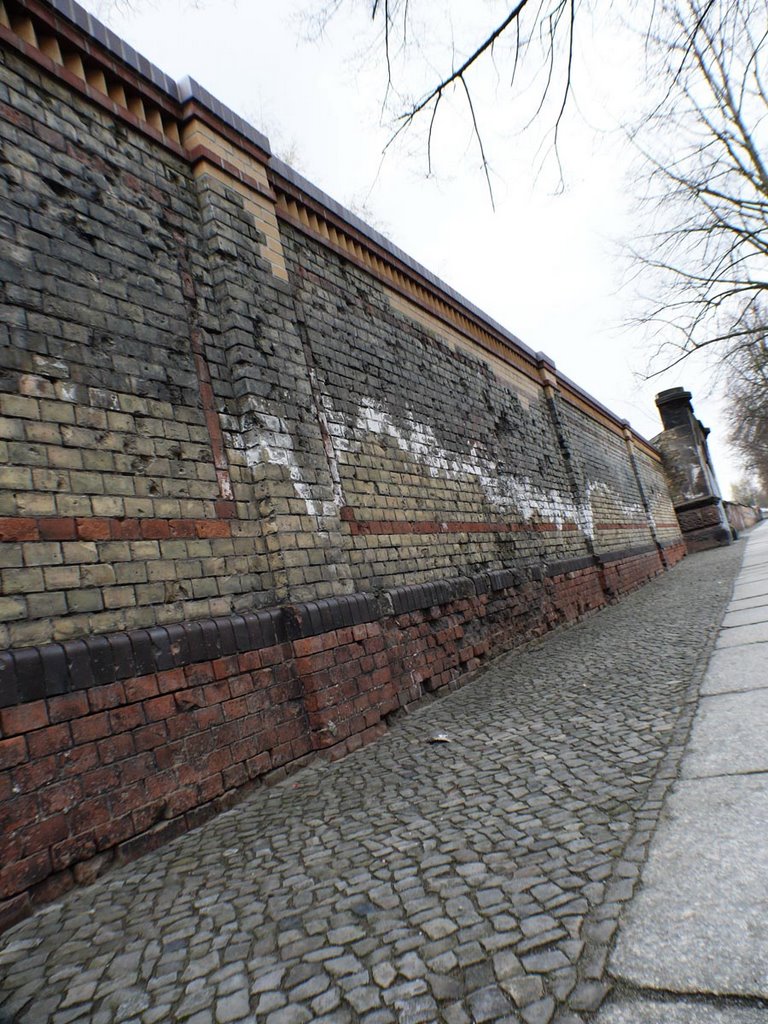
(545, 265)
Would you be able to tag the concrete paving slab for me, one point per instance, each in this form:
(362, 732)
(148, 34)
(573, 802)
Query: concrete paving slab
(728, 736)
(737, 668)
(700, 920)
(748, 602)
(643, 1011)
(746, 616)
(757, 633)
(758, 588)
(753, 573)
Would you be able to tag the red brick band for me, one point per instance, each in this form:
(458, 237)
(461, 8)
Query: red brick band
(63, 528)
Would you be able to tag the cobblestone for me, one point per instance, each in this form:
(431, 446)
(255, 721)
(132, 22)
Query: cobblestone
(406, 883)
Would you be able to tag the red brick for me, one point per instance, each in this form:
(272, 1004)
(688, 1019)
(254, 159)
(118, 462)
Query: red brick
(101, 780)
(311, 645)
(206, 718)
(31, 775)
(312, 682)
(215, 693)
(18, 813)
(61, 796)
(128, 800)
(150, 736)
(140, 688)
(12, 752)
(13, 528)
(200, 674)
(93, 529)
(277, 655)
(24, 718)
(116, 748)
(126, 718)
(124, 529)
(155, 529)
(169, 756)
(212, 528)
(45, 833)
(159, 786)
(180, 725)
(66, 706)
(235, 709)
(197, 746)
(159, 708)
(57, 529)
(70, 851)
(90, 813)
(224, 668)
(114, 832)
(250, 661)
(211, 787)
(23, 874)
(315, 662)
(181, 527)
(49, 740)
(252, 724)
(218, 759)
(234, 776)
(78, 760)
(190, 699)
(92, 727)
(258, 765)
(240, 685)
(102, 698)
(170, 680)
(180, 801)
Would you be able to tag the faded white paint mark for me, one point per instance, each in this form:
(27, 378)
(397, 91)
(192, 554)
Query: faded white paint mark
(505, 491)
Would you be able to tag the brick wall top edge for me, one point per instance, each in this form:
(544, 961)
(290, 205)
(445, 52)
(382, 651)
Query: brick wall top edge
(188, 89)
(183, 91)
(92, 27)
(573, 386)
(286, 172)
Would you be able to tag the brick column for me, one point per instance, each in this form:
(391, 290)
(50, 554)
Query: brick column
(272, 420)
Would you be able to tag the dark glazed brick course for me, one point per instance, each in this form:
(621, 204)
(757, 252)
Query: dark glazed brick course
(51, 669)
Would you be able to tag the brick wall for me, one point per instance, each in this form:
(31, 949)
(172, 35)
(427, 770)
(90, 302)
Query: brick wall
(265, 480)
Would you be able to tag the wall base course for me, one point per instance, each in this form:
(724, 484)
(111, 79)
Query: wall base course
(111, 771)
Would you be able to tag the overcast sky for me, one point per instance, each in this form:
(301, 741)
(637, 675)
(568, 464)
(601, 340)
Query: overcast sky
(546, 263)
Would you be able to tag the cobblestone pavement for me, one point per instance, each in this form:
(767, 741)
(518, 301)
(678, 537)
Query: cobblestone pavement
(478, 879)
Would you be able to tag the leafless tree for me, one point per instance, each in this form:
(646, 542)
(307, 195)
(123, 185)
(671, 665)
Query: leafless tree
(702, 266)
(529, 43)
(748, 409)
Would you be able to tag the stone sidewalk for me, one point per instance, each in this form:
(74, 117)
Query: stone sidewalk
(470, 866)
(699, 924)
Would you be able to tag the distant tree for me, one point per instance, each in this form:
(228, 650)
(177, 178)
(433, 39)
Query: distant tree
(748, 411)
(748, 490)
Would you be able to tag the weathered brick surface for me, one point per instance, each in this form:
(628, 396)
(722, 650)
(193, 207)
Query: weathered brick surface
(188, 435)
(256, 493)
(95, 770)
(109, 471)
